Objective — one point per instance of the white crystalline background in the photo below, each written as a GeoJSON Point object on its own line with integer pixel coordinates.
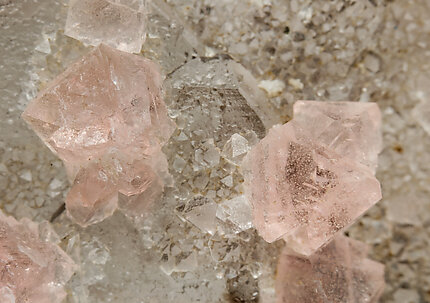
{"type": "Point", "coordinates": [374, 50]}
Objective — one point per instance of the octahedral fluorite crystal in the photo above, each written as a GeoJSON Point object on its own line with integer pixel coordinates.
{"type": "Point", "coordinates": [117, 23]}
{"type": "Point", "coordinates": [337, 273]}
{"type": "Point", "coordinates": [33, 268]}
{"type": "Point", "coordinates": [352, 129]}
{"type": "Point", "coordinates": [302, 189]}
{"type": "Point", "coordinates": [105, 118]}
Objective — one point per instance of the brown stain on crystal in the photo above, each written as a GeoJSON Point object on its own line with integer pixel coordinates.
{"type": "Point", "coordinates": [308, 182]}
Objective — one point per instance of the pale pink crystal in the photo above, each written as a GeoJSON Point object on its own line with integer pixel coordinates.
{"type": "Point", "coordinates": [302, 191]}
{"type": "Point", "coordinates": [337, 273]}
{"type": "Point", "coordinates": [351, 129]}
{"type": "Point", "coordinates": [33, 269]}
{"type": "Point", "coordinates": [105, 118]}
{"type": "Point", "coordinates": [117, 23]}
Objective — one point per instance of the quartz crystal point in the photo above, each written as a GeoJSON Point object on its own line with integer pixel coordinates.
{"type": "Point", "coordinates": [303, 191]}
{"type": "Point", "coordinates": [34, 269]}
{"type": "Point", "coordinates": [104, 117]}
{"type": "Point", "coordinates": [336, 273]}
{"type": "Point", "coordinates": [351, 129]}
{"type": "Point", "coordinates": [117, 23]}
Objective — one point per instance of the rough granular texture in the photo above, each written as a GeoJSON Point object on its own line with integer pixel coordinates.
{"type": "Point", "coordinates": [338, 273]}
{"type": "Point", "coordinates": [33, 266]}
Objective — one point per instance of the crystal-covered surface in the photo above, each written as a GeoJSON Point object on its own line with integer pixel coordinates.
{"type": "Point", "coordinates": [33, 267]}
{"type": "Point", "coordinates": [303, 191]}
{"type": "Point", "coordinates": [337, 50]}
{"type": "Point", "coordinates": [117, 23]}
{"type": "Point", "coordinates": [338, 273]}
{"type": "Point", "coordinates": [104, 117]}
{"type": "Point", "coordinates": [352, 129]}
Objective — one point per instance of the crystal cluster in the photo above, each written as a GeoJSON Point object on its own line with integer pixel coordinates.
{"type": "Point", "coordinates": [304, 180]}
{"type": "Point", "coordinates": [216, 126]}
{"type": "Point", "coordinates": [337, 273]}
{"type": "Point", "coordinates": [33, 268]}
{"type": "Point", "coordinates": [104, 117]}
{"type": "Point", "coordinates": [117, 23]}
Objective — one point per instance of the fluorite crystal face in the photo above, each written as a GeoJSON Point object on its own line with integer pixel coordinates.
{"type": "Point", "coordinates": [105, 119]}
{"type": "Point", "coordinates": [34, 269]}
{"type": "Point", "coordinates": [302, 191]}
{"type": "Point", "coordinates": [337, 273]}
{"type": "Point", "coordinates": [351, 129]}
{"type": "Point", "coordinates": [117, 23]}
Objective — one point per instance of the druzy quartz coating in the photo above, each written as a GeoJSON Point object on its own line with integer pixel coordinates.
{"type": "Point", "coordinates": [33, 267]}
{"type": "Point", "coordinates": [303, 187]}
{"type": "Point", "coordinates": [105, 118]}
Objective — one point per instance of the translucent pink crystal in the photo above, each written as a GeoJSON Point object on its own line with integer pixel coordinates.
{"type": "Point", "coordinates": [117, 23]}
{"type": "Point", "coordinates": [33, 269]}
{"type": "Point", "coordinates": [105, 118]}
{"type": "Point", "coordinates": [351, 129]}
{"type": "Point", "coordinates": [337, 273]}
{"type": "Point", "coordinates": [303, 191]}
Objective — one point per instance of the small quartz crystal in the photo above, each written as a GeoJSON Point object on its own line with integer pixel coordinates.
{"type": "Point", "coordinates": [303, 190]}
{"type": "Point", "coordinates": [237, 211]}
{"type": "Point", "coordinates": [117, 23]}
{"type": "Point", "coordinates": [336, 273]}
{"type": "Point", "coordinates": [201, 212]}
{"type": "Point", "coordinates": [104, 117]}
{"type": "Point", "coordinates": [34, 268]}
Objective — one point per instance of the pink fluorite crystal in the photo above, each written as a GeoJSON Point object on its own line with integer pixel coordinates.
{"type": "Point", "coordinates": [337, 273]}
{"type": "Point", "coordinates": [302, 190]}
{"type": "Point", "coordinates": [117, 23]}
{"type": "Point", "coordinates": [105, 118]}
{"type": "Point", "coordinates": [33, 269]}
{"type": "Point", "coordinates": [351, 129]}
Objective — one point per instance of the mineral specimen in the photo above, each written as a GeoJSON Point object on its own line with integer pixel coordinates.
{"type": "Point", "coordinates": [351, 129]}
{"type": "Point", "coordinates": [117, 23]}
{"type": "Point", "coordinates": [104, 117]}
{"type": "Point", "coordinates": [303, 191]}
{"type": "Point", "coordinates": [33, 268]}
{"type": "Point", "coordinates": [337, 273]}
